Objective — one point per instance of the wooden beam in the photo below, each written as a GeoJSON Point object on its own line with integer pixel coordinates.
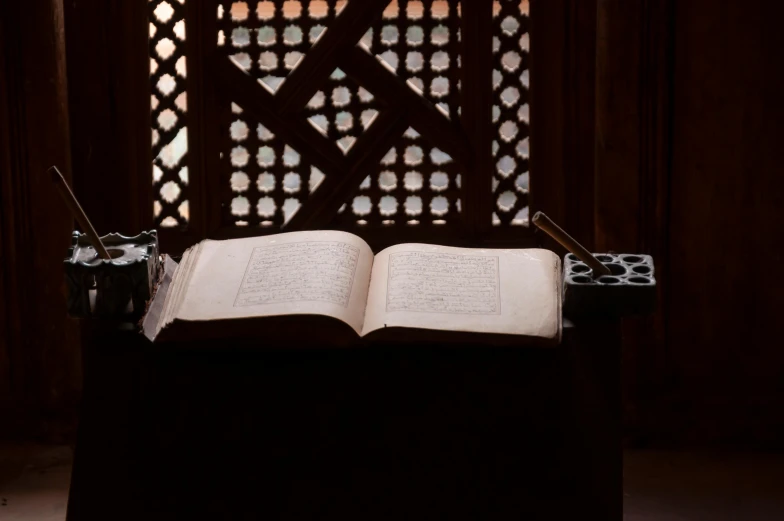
{"type": "Point", "coordinates": [196, 83]}
{"type": "Point", "coordinates": [422, 115]}
{"type": "Point", "coordinates": [548, 92]}
{"type": "Point", "coordinates": [634, 75]}
{"type": "Point", "coordinates": [40, 360]}
{"type": "Point", "coordinates": [476, 113]}
{"type": "Point", "coordinates": [205, 106]}
{"type": "Point", "coordinates": [579, 126]}
{"type": "Point", "coordinates": [248, 94]}
{"type": "Point", "coordinates": [323, 57]}
{"type": "Point", "coordinates": [364, 157]}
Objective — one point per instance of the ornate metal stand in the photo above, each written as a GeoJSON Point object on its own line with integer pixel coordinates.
{"type": "Point", "coordinates": [116, 288]}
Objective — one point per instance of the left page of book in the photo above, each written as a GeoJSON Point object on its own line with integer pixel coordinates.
{"type": "Point", "coordinates": [316, 272]}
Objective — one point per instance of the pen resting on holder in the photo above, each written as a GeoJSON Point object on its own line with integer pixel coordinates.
{"type": "Point", "coordinates": [605, 284]}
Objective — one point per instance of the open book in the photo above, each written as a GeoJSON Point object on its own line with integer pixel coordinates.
{"type": "Point", "coordinates": [234, 288]}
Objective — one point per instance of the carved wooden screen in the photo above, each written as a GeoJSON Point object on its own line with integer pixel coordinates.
{"type": "Point", "coordinates": [396, 120]}
{"type": "Point", "coordinates": [169, 105]}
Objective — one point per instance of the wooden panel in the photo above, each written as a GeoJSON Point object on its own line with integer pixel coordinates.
{"type": "Point", "coordinates": [109, 103]}
{"type": "Point", "coordinates": [548, 51]}
{"type": "Point", "coordinates": [204, 96]}
{"type": "Point", "coordinates": [619, 67]}
{"type": "Point", "coordinates": [633, 112]}
{"type": "Point", "coordinates": [9, 319]}
{"type": "Point", "coordinates": [417, 87]}
{"type": "Point", "coordinates": [580, 126]}
{"type": "Point", "coordinates": [319, 63]}
{"type": "Point", "coordinates": [507, 34]}
{"type": "Point", "coordinates": [633, 71]}
{"type": "Point", "coordinates": [423, 116]}
{"type": "Point", "coordinates": [40, 345]}
{"type": "Point", "coordinates": [726, 207]}
{"type": "Point", "coordinates": [562, 124]}
{"type": "Point", "coordinates": [370, 433]}
{"type": "Point", "coordinates": [476, 113]}
{"type": "Point", "coordinates": [688, 118]}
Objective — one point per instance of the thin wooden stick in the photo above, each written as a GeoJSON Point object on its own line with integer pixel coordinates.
{"type": "Point", "coordinates": [568, 242]}
{"type": "Point", "coordinates": [77, 212]}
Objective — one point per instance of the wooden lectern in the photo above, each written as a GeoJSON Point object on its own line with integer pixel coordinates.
{"type": "Point", "coordinates": [389, 432]}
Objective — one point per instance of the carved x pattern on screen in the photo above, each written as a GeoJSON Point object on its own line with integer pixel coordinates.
{"type": "Point", "coordinates": [367, 102]}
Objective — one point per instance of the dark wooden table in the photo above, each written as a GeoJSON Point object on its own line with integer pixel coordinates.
{"type": "Point", "coordinates": [384, 432]}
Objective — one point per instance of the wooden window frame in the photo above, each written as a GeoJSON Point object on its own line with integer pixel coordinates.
{"type": "Point", "coordinates": [109, 92]}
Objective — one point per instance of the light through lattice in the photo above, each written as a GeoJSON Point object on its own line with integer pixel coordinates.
{"type": "Point", "coordinates": [510, 112]}
{"type": "Point", "coordinates": [269, 179]}
{"type": "Point", "coordinates": [414, 184]}
{"type": "Point", "coordinates": [420, 41]}
{"type": "Point", "coordinates": [169, 108]}
{"type": "Point", "coordinates": [268, 39]}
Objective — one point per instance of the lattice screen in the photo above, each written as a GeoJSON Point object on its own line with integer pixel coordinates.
{"type": "Point", "coordinates": [270, 40]}
{"type": "Point", "coordinates": [414, 183]}
{"type": "Point", "coordinates": [270, 180]}
{"type": "Point", "coordinates": [169, 105]}
{"type": "Point", "coordinates": [510, 112]}
{"type": "Point", "coordinates": [342, 110]}
{"type": "Point", "coordinates": [266, 179]}
{"type": "Point", "coordinates": [420, 42]}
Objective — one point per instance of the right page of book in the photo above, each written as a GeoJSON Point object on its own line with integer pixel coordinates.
{"type": "Point", "coordinates": [516, 292]}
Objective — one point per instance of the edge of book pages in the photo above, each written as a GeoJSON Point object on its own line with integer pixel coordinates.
{"type": "Point", "coordinates": [152, 317]}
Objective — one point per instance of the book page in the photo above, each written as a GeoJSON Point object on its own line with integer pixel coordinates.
{"type": "Point", "coordinates": [458, 289]}
{"type": "Point", "coordinates": [319, 272]}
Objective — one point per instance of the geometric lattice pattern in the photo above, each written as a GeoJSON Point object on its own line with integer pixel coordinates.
{"type": "Point", "coordinates": [169, 108]}
{"type": "Point", "coordinates": [510, 112]}
{"type": "Point", "coordinates": [420, 42]}
{"type": "Point", "coordinates": [270, 180]}
{"type": "Point", "coordinates": [342, 110]}
{"type": "Point", "coordinates": [414, 184]}
{"type": "Point", "coordinates": [268, 39]}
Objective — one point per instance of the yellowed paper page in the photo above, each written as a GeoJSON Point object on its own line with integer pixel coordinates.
{"type": "Point", "coordinates": [319, 272]}
{"type": "Point", "coordinates": [458, 289]}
